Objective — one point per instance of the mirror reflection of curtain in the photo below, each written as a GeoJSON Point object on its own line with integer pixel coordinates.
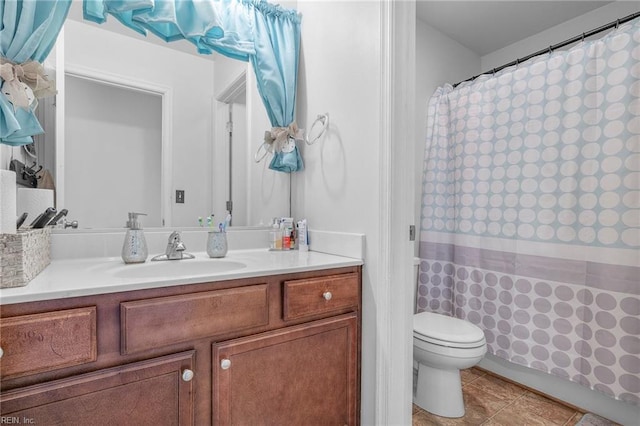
{"type": "Point", "coordinates": [249, 30]}
{"type": "Point", "coordinates": [29, 31]}
{"type": "Point", "coordinates": [264, 34]}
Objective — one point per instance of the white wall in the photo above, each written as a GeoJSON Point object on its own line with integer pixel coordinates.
{"type": "Point", "coordinates": [338, 191]}
{"type": "Point", "coordinates": [191, 78]}
{"type": "Point", "coordinates": [358, 64]}
{"type": "Point", "coordinates": [439, 60]}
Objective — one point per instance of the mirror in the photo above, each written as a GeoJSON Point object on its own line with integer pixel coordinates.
{"type": "Point", "coordinates": [144, 119]}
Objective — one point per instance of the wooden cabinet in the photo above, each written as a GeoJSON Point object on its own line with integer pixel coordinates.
{"type": "Point", "coordinates": [151, 392]}
{"type": "Point", "coordinates": [282, 349]}
{"type": "Point", "coordinates": [300, 375]}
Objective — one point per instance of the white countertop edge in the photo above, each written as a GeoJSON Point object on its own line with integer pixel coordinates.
{"type": "Point", "coordinates": [69, 278]}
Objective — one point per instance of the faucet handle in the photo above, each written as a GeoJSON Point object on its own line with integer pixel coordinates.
{"type": "Point", "coordinates": [70, 224]}
{"type": "Point", "coordinates": [176, 239]}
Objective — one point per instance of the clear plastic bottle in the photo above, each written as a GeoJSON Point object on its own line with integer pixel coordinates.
{"type": "Point", "coordinates": [275, 236]}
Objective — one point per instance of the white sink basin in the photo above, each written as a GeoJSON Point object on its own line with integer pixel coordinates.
{"type": "Point", "coordinates": [177, 268]}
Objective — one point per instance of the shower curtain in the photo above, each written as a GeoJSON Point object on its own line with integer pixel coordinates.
{"type": "Point", "coordinates": [530, 224]}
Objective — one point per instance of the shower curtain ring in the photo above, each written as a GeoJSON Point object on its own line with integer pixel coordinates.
{"type": "Point", "coordinates": [617, 23]}
{"type": "Point", "coordinates": [583, 37]}
{"type": "Point", "coordinates": [550, 50]}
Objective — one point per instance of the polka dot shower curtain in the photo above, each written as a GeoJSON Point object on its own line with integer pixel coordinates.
{"type": "Point", "coordinates": [530, 222]}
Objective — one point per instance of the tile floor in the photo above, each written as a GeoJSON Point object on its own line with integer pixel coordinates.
{"type": "Point", "coordinates": [490, 401]}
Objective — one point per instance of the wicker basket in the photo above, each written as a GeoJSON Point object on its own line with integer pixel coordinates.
{"type": "Point", "coordinates": [23, 256]}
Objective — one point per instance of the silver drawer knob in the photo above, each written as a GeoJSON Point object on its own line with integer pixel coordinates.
{"type": "Point", "coordinates": [1, 352]}
{"type": "Point", "coordinates": [187, 375]}
{"type": "Point", "coordinates": [327, 295]}
{"type": "Point", "coordinates": [225, 364]}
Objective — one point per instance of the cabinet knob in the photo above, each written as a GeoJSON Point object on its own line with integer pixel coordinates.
{"type": "Point", "coordinates": [225, 364]}
{"type": "Point", "coordinates": [1, 352]}
{"type": "Point", "coordinates": [187, 375]}
{"type": "Point", "coordinates": [327, 295]}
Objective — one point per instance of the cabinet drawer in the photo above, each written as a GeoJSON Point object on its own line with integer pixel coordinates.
{"type": "Point", "coordinates": [47, 341]}
{"type": "Point", "coordinates": [151, 323]}
{"type": "Point", "coordinates": [303, 298]}
{"type": "Point", "coordinates": [150, 392]}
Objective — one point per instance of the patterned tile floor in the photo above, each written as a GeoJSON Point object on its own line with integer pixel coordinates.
{"type": "Point", "coordinates": [490, 401]}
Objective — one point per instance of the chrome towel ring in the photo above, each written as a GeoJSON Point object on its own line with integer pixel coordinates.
{"type": "Point", "coordinates": [324, 120]}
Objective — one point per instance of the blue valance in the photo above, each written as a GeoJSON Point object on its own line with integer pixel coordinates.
{"type": "Point", "coordinates": [218, 25]}
{"type": "Point", "coordinates": [265, 34]}
{"type": "Point", "coordinates": [28, 32]}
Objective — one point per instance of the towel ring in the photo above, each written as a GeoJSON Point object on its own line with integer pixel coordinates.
{"type": "Point", "coordinates": [263, 146]}
{"type": "Point", "coordinates": [322, 118]}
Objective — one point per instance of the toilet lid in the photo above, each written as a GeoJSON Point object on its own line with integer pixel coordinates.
{"type": "Point", "coordinates": [445, 330]}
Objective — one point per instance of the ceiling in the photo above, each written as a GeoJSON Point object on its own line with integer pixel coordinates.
{"type": "Point", "coordinates": [502, 22]}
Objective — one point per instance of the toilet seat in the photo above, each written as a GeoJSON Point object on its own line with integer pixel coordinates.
{"type": "Point", "coordinates": [447, 331]}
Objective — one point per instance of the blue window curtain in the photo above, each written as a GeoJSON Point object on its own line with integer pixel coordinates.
{"type": "Point", "coordinates": [265, 34]}
{"type": "Point", "coordinates": [28, 32]}
{"type": "Point", "coordinates": [275, 63]}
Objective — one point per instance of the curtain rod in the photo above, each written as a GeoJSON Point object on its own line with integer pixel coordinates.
{"type": "Point", "coordinates": [581, 37]}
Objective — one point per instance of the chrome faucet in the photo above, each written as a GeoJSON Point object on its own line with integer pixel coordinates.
{"type": "Point", "coordinates": [175, 249]}
{"type": "Point", "coordinates": [175, 246]}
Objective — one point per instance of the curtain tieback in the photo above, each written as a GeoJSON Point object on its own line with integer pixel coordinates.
{"type": "Point", "coordinates": [31, 74]}
{"type": "Point", "coordinates": [276, 138]}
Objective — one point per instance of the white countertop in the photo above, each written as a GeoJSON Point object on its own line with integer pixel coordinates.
{"type": "Point", "coordinates": [91, 276]}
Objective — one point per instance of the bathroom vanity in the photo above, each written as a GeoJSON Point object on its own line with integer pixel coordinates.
{"type": "Point", "coordinates": [263, 344]}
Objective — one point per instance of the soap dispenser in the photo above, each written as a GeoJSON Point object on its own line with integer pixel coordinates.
{"type": "Point", "coordinates": [134, 249]}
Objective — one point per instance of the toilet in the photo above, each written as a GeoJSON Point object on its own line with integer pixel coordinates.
{"type": "Point", "coordinates": [442, 346]}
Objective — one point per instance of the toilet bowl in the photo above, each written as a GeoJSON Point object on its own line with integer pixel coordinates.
{"type": "Point", "coordinates": [442, 346]}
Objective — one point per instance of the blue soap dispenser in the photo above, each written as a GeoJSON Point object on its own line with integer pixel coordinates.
{"type": "Point", "coordinates": [134, 249]}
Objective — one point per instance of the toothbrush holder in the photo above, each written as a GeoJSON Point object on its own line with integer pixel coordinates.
{"type": "Point", "coordinates": [217, 244]}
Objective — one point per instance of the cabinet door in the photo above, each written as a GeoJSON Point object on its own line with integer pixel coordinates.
{"type": "Point", "coordinates": [300, 375]}
{"type": "Point", "coordinates": [152, 392]}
